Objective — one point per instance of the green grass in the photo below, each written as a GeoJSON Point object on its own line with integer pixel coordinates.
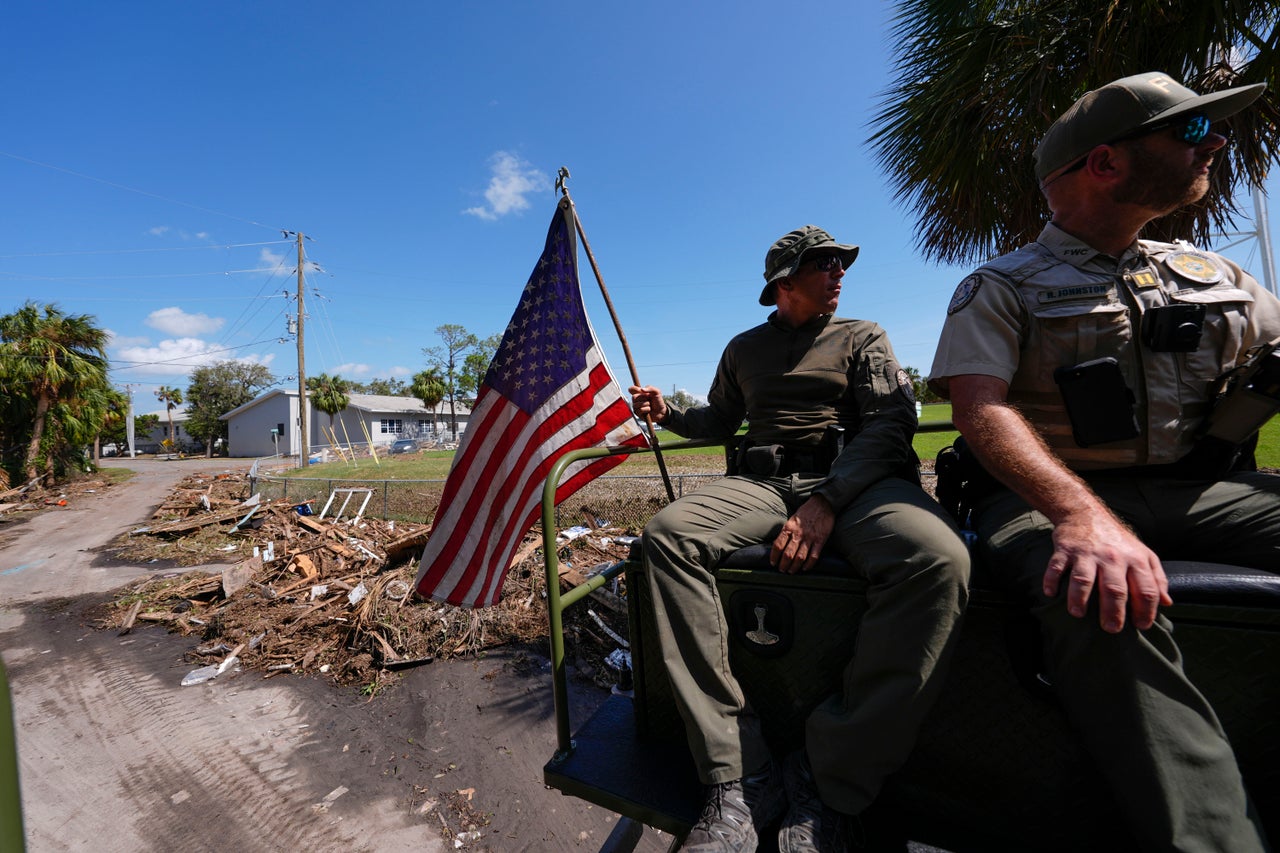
{"type": "Point", "coordinates": [434, 464]}
{"type": "Point", "coordinates": [423, 465]}
{"type": "Point", "coordinates": [1268, 452]}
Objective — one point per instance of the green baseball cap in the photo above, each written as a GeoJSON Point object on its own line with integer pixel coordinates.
{"type": "Point", "coordinates": [1127, 105]}
{"type": "Point", "coordinates": [787, 254]}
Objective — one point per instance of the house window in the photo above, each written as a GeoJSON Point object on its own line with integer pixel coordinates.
{"type": "Point", "coordinates": [392, 426]}
{"type": "Point", "coordinates": [424, 426]}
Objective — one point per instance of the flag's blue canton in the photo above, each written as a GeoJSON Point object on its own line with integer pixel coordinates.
{"type": "Point", "coordinates": [546, 342]}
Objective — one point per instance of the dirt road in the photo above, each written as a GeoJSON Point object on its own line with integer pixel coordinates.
{"type": "Point", "coordinates": [115, 755]}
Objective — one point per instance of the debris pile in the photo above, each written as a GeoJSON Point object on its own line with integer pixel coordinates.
{"type": "Point", "coordinates": [34, 496]}
{"type": "Point", "coordinates": [326, 590]}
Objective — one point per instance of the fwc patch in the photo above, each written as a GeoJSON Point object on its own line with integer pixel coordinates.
{"type": "Point", "coordinates": [965, 292]}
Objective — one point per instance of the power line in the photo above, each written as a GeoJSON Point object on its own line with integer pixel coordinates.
{"type": "Point", "coordinates": [141, 251]}
{"type": "Point", "coordinates": [130, 277]}
{"type": "Point", "coordinates": [134, 190]}
{"type": "Point", "coordinates": [131, 365]}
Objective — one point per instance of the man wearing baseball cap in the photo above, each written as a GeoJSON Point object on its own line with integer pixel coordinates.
{"type": "Point", "coordinates": [1080, 370]}
{"type": "Point", "coordinates": [826, 466]}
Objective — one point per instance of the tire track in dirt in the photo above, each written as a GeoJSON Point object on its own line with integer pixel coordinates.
{"type": "Point", "coordinates": [232, 764]}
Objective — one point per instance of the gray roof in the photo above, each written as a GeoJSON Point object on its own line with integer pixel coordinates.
{"type": "Point", "coordinates": [370, 403]}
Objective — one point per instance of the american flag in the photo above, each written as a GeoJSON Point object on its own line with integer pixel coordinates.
{"type": "Point", "coordinates": [548, 390]}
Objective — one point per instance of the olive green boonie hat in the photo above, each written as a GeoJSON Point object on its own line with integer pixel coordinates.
{"type": "Point", "coordinates": [1127, 105]}
{"type": "Point", "coordinates": [789, 252]}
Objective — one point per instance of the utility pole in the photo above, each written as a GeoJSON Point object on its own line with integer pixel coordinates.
{"type": "Point", "coordinates": [304, 448]}
{"type": "Point", "coordinates": [1263, 223]}
{"type": "Point", "coordinates": [1262, 233]}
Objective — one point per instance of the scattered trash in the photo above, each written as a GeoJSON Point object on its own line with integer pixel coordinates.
{"type": "Point", "coordinates": [569, 534]}
{"type": "Point", "coordinates": [200, 676]}
{"type": "Point", "coordinates": [613, 635]}
{"type": "Point", "coordinates": [618, 659]}
{"type": "Point", "coordinates": [356, 595]}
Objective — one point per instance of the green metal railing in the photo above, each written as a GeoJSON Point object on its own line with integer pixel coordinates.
{"type": "Point", "coordinates": [11, 835]}
{"type": "Point", "coordinates": [556, 603]}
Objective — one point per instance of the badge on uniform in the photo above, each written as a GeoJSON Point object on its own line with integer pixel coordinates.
{"type": "Point", "coordinates": [1194, 266]}
{"type": "Point", "coordinates": [965, 292]}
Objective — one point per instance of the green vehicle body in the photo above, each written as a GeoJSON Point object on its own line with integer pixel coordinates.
{"type": "Point", "coordinates": [997, 766]}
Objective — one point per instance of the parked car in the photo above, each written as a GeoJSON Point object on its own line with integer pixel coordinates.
{"type": "Point", "coordinates": [404, 445]}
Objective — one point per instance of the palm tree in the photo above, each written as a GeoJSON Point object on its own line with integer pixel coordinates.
{"type": "Point", "coordinates": [329, 395]}
{"type": "Point", "coordinates": [430, 389]}
{"type": "Point", "coordinates": [172, 398]}
{"type": "Point", "coordinates": [49, 359]}
{"type": "Point", "coordinates": [979, 81]}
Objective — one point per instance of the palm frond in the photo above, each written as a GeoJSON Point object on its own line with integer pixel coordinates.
{"type": "Point", "coordinates": [978, 83]}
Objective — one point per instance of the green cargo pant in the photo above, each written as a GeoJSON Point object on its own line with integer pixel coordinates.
{"type": "Point", "coordinates": [1153, 736]}
{"type": "Point", "coordinates": [916, 568]}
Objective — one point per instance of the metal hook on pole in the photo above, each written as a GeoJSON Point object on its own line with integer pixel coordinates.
{"type": "Point", "coordinates": [561, 177]}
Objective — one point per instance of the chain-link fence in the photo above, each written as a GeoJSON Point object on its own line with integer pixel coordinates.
{"type": "Point", "coordinates": [614, 501]}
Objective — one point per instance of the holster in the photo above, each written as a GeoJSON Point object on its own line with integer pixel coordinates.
{"type": "Point", "coordinates": [962, 482]}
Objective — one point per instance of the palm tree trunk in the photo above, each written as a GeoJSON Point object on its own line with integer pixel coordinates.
{"type": "Point", "coordinates": [37, 433]}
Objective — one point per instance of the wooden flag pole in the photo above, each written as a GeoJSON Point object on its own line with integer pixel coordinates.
{"type": "Point", "coordinates": [617, 324]}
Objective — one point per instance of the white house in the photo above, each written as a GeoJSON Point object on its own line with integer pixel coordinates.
{"type": "Point", "coordinates": [150, 442]}
{"type": "Point", "coordinates": [268, 424]}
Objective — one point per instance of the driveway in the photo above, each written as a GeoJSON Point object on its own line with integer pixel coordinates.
{"type": "Point", "coordinates": [115, 755]}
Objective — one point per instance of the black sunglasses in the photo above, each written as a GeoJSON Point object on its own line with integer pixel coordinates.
{"type": "Point", "coordinates": [1191, 129]}
{"type": "Point", "coordinates": [826, 263]}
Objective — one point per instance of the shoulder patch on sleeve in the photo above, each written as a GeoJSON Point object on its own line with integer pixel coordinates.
{"type": "Point", "coordinates": [904, 382]}
{"type": "Point", "coordinates": [965, 292]}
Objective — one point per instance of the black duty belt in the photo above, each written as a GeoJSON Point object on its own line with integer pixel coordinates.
{"type": "Point", "coordinates": [782, 460]}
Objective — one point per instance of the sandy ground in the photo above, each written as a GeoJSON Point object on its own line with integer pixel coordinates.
{"type": "Point", "coordinates": [115, 755]}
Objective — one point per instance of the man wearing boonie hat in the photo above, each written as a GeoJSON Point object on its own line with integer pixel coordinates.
{"type": "Point", "coordinates": [1079, 368]}
{"type": "Point", "coordinates": [826, 465]}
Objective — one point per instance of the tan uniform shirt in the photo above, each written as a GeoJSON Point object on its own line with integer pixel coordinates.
{"type": "Point", "coordinates": [1057, 302]}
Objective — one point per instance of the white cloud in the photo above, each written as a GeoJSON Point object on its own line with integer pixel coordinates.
{"type": "Point", "coordinates": [353, 369]}
{"type": "Point", "coordinates": [114, 340]}
{"type": "Point", "coordinates": [182, 235]}
{"type": "Point", "coordinates": [400, 371]}
{"type": "Point", "coordinates": [179, 356]}
{"type": "Point", "coordinates": [512, 180]}
{"type": "Point", "coordinates": [273, 262]}
{"type": "Point", "coordinates": [175, 321]}
{"type": "Point", "coordinates": [175, 357]}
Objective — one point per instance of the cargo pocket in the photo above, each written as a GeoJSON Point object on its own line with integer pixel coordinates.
{"type": "Point", "coordinates": [1225, 324]}
{"type": "Point", "coordinates": [1079, 332]}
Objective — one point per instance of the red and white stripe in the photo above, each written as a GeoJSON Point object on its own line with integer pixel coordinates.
{"type": "Point", "coordinates": [494, 489]}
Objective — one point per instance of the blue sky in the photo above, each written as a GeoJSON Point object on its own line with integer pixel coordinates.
{"type": "Point", "coordinates": [151, 155]}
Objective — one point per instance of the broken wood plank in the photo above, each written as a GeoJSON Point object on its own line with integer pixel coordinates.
{"type": "Point", "coordinates": [396, 548]}
{"type": "Point", "coordinates": [235, 578]}
{"type": "Point", "coordinates": [184, 525]}
{"type": "Point", "coordinates": [127, 625]}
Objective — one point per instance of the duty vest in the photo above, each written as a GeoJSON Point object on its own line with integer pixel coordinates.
{"type": "Point", "coordinates": [1074, 315]}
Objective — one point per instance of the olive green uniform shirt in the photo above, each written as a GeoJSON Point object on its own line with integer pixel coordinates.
{"type": "Point", "coordinates": [790, 384]}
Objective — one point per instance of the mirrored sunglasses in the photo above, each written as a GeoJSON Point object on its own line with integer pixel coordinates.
{"type": "Point", "coordinates": [1191, 129]}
